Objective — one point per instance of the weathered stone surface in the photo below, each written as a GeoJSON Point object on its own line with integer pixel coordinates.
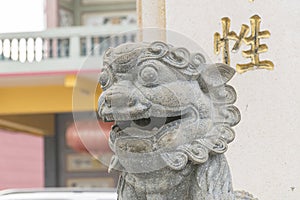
{"type": "Point", "coordinates": [173, 115]}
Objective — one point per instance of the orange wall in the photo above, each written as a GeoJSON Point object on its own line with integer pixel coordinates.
{"type": "Point", "coordinates": [21, 160]}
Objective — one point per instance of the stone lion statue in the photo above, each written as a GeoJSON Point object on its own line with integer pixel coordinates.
{"type": "Point", "coordinates": [173, 115]}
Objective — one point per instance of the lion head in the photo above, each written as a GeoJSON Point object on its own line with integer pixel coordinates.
{"type": "Point", "coordinates": [169, 106]}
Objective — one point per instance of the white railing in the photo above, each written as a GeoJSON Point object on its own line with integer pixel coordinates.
{"type": "Point", "coordinates": [59, 43]}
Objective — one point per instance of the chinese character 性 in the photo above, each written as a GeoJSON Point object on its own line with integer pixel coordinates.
{"type": "Point", "coordinates": [253, 40]}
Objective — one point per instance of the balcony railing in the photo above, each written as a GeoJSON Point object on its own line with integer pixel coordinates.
{"type": "Point", "coordinates": [53, 48]}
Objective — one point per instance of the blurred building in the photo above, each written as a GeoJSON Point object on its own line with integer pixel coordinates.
{"type": "Point", "coordinates": [37, 78]}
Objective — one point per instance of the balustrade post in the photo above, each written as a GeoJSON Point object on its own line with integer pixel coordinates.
{"type": "Point", "coordinates": [74, 46]}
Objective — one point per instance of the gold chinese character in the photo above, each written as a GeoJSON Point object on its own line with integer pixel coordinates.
{"type": "Point", "coordinates": [256, 48]}
{"type": "Point", "coordinates": [227, 36]}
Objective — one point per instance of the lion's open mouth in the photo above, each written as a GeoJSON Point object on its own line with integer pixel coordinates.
{"type": "Point", "coordinates": [148, 127]}
{"type": "Point", "coordinates": [151, 123]}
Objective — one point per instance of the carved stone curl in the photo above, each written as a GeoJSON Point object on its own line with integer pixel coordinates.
{"type": "Point", "coordinates": [173, 115]}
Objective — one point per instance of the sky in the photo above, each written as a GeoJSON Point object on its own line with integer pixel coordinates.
{"type": "Point", "coordinates": [21, 15]}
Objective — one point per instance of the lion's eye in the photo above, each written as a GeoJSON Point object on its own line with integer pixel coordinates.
{"type": "Point", "coordinates": [149, 74]}
{"type": "Point", "coordinates": [104, 79]}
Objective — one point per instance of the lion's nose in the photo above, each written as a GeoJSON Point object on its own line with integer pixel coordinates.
{"type": "Point", "coordinates": [115, 99]}
{"type": "Point", "coordinates": [120, 99]}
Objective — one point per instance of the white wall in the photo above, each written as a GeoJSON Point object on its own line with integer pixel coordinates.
{"type": "Point", "coordinates": [264, 158]}
{"type": "Point", "coordinates": [21, 16]}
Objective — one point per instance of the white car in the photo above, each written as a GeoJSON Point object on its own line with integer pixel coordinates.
{"type": "Point", "coordinates": [58, 194]}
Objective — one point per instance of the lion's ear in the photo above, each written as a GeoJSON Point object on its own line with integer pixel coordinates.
{"type": "Point", "coordinates": [226, 71]}
{"type": "Point", "coordinates": [215, 75]}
